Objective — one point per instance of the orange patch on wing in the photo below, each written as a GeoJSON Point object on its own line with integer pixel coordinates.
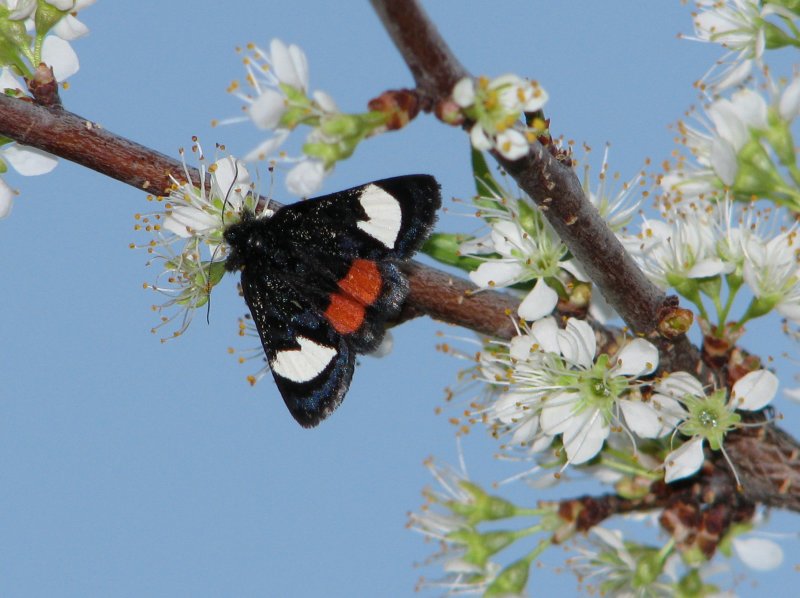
{"type": "Point", "coordinates": [362, 282]}
{"type": "Point", "coordinates": [344, 313]}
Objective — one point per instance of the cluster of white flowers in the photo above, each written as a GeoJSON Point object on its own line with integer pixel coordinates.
{"type": "Point", "coordinates": [188, 236]}
{"type": "Point", "coordinates": [745, 143]}
{"type": "Point", "coordinates": [495, 107]}
{"type": "Point", "coordinates": [706, 418]}
{"type": "Point", "coordinates": [36, 32]}
{"type": "Point", "coordinates": [279, 102]}
{"type": "Point", "coordinates": [550, 393]}
{"type": "Point", "coordinates": [745, 29]}
{"type": "Point", "coordinates": [555, 384]}
{"type": "Point", "coordinates": [522, 246]}
{"type": "Point", "coordinates": [702, 245]}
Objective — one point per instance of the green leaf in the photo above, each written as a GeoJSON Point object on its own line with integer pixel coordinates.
{"type": "Point", "coordinates": [485, 183]}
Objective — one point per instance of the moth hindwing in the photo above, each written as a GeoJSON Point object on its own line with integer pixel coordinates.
{"type": "Point", "coordinates": [321, 278]}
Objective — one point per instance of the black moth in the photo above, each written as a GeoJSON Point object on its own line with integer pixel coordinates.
{"type": "Point", "coordinates": [321, 278]}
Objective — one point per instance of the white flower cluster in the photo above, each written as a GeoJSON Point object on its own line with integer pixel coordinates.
{"type": "Point", "coordinates": [554, 384]}
{"type": "Point", "coordinates": [279, 102]}
{"type": "Point", "coordinates": [495, 107]}
{"type": "Point", "coordinates": [738, 244]}
{"type": "Point", "coordinates": [737, 151]}
{"type": "Point", "coordinates": [742, 28]}
{"type": "Point", "coordinates": [188, 236]}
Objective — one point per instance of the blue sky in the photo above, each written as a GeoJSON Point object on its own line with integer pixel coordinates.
{"type": "Point", "coordinates": [129, 467]}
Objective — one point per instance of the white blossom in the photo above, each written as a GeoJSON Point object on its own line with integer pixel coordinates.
{"type": "Point", "coordinates": [495, 106]}
{"type": "Point", "coordinates": [556, 385]}
{"type": "Point", "coordinates": [706, 419]}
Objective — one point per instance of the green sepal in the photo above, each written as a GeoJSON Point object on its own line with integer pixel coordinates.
{"type": "Point", "coordinates": [775, 37]}
{"type": "Point", "coordinates": [14, 44]}
{"type": "Point", "coordinates": [757, 174]}
{"type": "Point", "coordinates": [46, 17]}
{"type": "Point", "coordinates": [216, 270]}
{"type": "Point", "coordinates": [444, 248]}
{"type": "Point", "coordinates": [691, 585]}
{"type": "Point", "coordinates": [780, 138]}
{"type": "Point", "coordinates": [483, 507]}
{"type": "Point", "coordinates": [511, 580]}
{"type": "Point", "coordinates": [479, 547]}
{"type": "Point", "coordinates": [760, 306]}
{"type": "Point", "coordinates": [710, 286]}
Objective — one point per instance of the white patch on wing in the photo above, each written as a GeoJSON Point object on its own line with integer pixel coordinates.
{"type": "Point", "coordinates": [384, 213]}
{"type": "Point", "coordinates": [303, 364]}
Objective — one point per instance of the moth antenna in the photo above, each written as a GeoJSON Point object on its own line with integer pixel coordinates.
{"type": "Point", "coordinates": [225, 201]}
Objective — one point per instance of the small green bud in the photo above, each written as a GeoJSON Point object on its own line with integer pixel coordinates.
{"type": "Point", "coordinates": [445, 248]}
{"type": "Point", "coordinates": [483, 507]}
{"type": "Point", "coordinates": [342, 125]}
{"type": "Point", "coordinates": [326, 152]}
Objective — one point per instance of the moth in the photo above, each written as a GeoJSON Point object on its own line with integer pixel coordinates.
{"type": "Point", "coordinates": [322, 278]}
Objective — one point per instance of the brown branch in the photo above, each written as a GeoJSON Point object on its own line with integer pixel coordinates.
{"type": "Point", "coordinates": [552, 185]}
{"type": "Point", "coordinates": [74, 138]}
{"type": "Point", "coordinates": [435, 68]}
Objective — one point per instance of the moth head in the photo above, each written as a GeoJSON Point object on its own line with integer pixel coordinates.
{"type": "Point", "coordinates": [245, 240]}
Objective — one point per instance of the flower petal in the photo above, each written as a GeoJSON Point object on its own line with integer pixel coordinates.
{"type": "Point", "coordinates": [29, 161]}
{"type": "Point", "coordinates": [325, 101]}
{"type": "Point", "coordinates": [584, 439]}
{"type": "Point", "coordinates": [520, 346]}
{"type": "Point", "coordinates": [677, 384]}
{"type": "Point", "coordinates": [758, 553]}
{"type": "Point", "coordinates": [480, 141]}
{"type": "Point", "coordinates": [267, 109]}
{"type": "Point", "coordinates": [267, 147]}
{"type": "Point", "coordinates": [58, 54]}
{"type": "Point", "coordinates": [539, 303]}
{"type": "Point", "coordinates": [545, 331]}
{"type": "Point", "coordinates": [8, 80]}
{"type": "Point", "coordinates": [306, 178]}
{"type": "Point", "coordinates": [464, 92]}
{"type": "Point", "coordinates": [789, 106]}
{"type": "Point", "coordinates": [495, 273]}
{"type": "Point", "coordinates": [557, 413]}
{"type": "Point", "coordinates": [526, 431]}
{"type": "Point", "coordinates": [684, 461]}
{"type": "Point", "coordinates": [755, 390]}
{"type": "Point", "coordinates": [577, 342]}
{"type": "Point", "coordinates": [6, 199]}
{"type": "Point", "coordinates": [642, 419]}
{"type": "Point", "coordinates": [70, 28]}
{"type": "Point", "coordinates": [289, 63]}
{"type": "Point", "coordinates": [512, 144]}
{"type": "Point", "coordinates": [723, 161]}
{"type": "Point", "coordinates": [637, 358]}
